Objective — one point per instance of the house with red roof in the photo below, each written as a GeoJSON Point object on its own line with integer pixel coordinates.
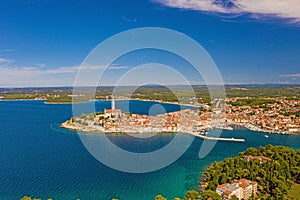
{"type": "Point", "coordinates": [242, 189]}
{"type": "Point", "coordinates": [261, 159]}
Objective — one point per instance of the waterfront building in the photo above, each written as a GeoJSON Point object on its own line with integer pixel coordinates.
{"type": "Point", "coordinates": [293, 128]}
{"type": "Point", "coordinates": [226, 191]}
{"type": "Point", "coordinates": [242, 189]}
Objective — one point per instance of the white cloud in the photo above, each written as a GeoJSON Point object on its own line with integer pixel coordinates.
{"type": "Point", "coordinates": [203, 5]}
{"type": "Point", "coordinates": [41, 65]}
{"type": "Point", "coordinates": [40, 76]}
{"type": "Point", "coordinates": [4, 60]}
{"type": "Point", "coordinates": [7, 50]}
{"type": "Point", "coordinates": [291, 75]}
{"type": "Point", "coordinates": [74, 69]}
{"type": "Point", "coordinates": [129, 19]}
{"type": "Point", "coordinates": [280, 8]}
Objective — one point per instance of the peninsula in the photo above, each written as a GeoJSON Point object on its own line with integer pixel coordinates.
{"type": "Point", "coordinates": [115, 121]}
{"type": "Point", "coordinates": [265, 115]}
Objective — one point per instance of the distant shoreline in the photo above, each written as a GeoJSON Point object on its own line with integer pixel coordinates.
{"type": "Point", "coordinates": [22, 99]}
{"type": "Point", "coordinates": [57, 103]}
{"type": "Point", "coordinates": [124, 99]}
{"type": "Point", "coordinates": [145, 100]}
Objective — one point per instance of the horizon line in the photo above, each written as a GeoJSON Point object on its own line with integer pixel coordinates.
{"type": "Point", "coordinates": [155, 85]}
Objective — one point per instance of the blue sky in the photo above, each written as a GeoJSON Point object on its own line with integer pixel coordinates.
{"type": "Point", "coordinates": [42, 42]}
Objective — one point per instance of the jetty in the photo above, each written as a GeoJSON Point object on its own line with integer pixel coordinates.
{"type": "Point", "coordinates": [216, 138]}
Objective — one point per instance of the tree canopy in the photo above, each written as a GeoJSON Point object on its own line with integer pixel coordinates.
{"type": "Point", "coordinates": [275, 176]}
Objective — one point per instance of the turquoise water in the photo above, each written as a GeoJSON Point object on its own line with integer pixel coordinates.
{"type": "Point", "coordinates": [40, 159]}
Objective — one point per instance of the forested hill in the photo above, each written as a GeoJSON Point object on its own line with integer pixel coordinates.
{"type": "Point", "coordinates": [275, 175]}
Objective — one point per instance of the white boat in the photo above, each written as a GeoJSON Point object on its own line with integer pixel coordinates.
{"type": "Point", "coordinates": [266, 136]}
{"type": "Point", "coordinates": [202, 132]}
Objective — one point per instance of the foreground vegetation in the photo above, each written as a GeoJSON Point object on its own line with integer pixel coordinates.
{"type": "Point", "coordinates": [190, 195]}
{"type": "Point", "coordinates": [275, 177]}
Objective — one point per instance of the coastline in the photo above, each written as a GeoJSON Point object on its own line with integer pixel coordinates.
{"type": "Point", "coordinates": [101, 130]}
{"type": "Point", "coordinates": [252, 127]}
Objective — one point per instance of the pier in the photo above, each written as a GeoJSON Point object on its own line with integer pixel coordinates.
{"type": "Point", "coordinates": [216, 138]}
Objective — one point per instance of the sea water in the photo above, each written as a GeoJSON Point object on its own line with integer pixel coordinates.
{"type": "Point", "coordinates": [40, 159]}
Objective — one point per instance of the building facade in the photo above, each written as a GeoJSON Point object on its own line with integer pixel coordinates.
{"type": "Point", "coordinates": [242, 189]}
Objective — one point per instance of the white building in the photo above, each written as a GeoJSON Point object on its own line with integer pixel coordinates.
{"type": "Point", "coordinates": [242, 189]}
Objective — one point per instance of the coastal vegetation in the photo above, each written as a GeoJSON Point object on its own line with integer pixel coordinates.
{"type": "Point", "coordinates": [20, 96]}
{"type": "Point", "coordinates": [190, 195]}
{"type": "Point", "coordinates": [276, 177]}
{"type": "Point", "coordinates": [30, 198]}
{"type": "Point", "coordinates": [63, 98]}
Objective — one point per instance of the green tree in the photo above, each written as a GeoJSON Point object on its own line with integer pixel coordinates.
{"type": "Point", "coordinates": [210, 194]}
{"type": "Point", "coordinates": [192, 195]}
{"type": "Point", "coordinates": [233, 197]}
{"type": "Point", "coordinates": [160, 197]}
{"type": "Point", "coordinates": [26, 198]}
{"type": "Point", "coordinates": [211, 186]}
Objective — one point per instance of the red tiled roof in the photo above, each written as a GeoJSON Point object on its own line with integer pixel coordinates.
{"type": "Point", "coordinates": [251, 157]}
{"type": "Point", "coordinates": [228, 192]}
{"type": "Point", "coordinates": [112, 111]}
{"type": "Point", "coordinates": [243, 180]}
{"type": "Point", "coordinates": [254, 183]}
{"type": "Point", "coordinates": [223, 185]}
{"type": "Point", "coordinates": [244, 185]}
{"type": "Point", "coordinates": [257, 157]}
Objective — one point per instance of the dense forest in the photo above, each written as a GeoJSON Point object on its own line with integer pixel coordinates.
{"type": "Point", "coordinates": [275, 177]}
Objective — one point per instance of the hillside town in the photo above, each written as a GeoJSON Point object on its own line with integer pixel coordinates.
{"type": "Point", "coordinates": [278, 117]}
